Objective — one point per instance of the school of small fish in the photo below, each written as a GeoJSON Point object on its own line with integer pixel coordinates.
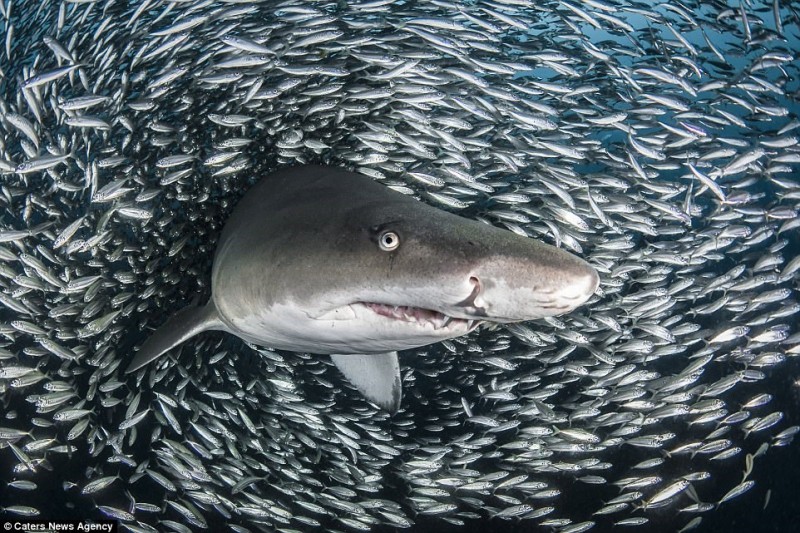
{"type": "Point", "coordinates": [658, 140]}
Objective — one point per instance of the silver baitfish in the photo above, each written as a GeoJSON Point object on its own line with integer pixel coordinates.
{"type": "Point", "coordinates": [658, 142]}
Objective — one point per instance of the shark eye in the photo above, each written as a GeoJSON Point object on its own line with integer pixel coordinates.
{"type": "Point", "coordinates": [388, 241]}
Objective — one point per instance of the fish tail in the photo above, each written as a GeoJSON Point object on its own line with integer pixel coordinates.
{"type": "Point", "coordinates": [185, 324]}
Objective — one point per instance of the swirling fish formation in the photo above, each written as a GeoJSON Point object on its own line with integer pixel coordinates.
{"type": "Point", "coordinates": [658, 141]}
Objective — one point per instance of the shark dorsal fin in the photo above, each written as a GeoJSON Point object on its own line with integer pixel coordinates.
{"type": "Point", "coordinates": [376, 376]}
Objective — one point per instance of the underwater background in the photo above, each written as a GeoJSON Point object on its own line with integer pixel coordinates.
{"type": "Point", "coordinates": [657, 140]}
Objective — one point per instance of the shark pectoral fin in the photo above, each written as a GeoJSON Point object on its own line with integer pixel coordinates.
{"type": "Point", "coordinates": [376, 376]}
{"type": "Point", "coordinates": [185, 324]}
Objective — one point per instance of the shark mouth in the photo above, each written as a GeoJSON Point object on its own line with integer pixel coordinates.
{"type": "Point", "coordinates": [421, 316]}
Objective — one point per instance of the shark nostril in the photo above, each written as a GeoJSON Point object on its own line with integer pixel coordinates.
{"type": "Point", "coordinates": [469, 301]}
{"type": "Point", "coordinates": [477, 288]}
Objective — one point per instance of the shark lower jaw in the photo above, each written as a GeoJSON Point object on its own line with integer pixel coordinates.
{"type": "Point", "coordinates": [426, 318]}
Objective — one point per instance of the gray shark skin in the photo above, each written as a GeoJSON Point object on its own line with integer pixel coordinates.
{"type": "Point", "coordinates": [322, 260]}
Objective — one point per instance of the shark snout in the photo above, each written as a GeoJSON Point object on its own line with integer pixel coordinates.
{"type": "Point", "coordinates": [517, 289]}
{"type": "Point", "coordinates": [581, 284]}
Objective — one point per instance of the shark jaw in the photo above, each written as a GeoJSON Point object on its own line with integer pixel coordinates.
{"type": "Point", "coordinates": [405, 318]}
{"type": "Point", "coordinates": [423, 317]}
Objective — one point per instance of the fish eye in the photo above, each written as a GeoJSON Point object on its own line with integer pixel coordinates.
{"type": "Point", "coordinates": [388, 241]}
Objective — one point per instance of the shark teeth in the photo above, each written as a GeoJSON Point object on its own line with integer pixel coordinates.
{"type": "Point", "coordinates": [417, 314]}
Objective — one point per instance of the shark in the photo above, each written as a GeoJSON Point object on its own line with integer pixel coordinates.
{"type": "Point", "coordinates": [322, 260]}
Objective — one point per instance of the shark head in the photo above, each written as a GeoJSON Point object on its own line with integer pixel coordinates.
{"type": "Point", "coordinates": [425, 275]}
